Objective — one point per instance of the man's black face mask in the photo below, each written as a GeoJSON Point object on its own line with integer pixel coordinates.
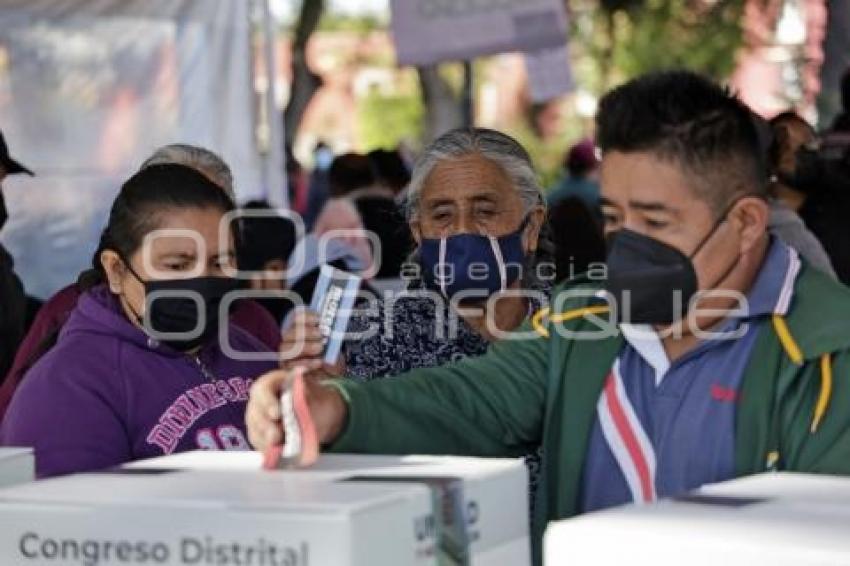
{"type": "Point", "coordinates": [653, 282]}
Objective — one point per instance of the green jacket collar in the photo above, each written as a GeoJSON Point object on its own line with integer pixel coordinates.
{"type": "Point", "coordinates": [819, 316]}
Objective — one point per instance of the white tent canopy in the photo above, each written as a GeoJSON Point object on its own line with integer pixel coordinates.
{"type": "Point", "coordinates": [89, 88]}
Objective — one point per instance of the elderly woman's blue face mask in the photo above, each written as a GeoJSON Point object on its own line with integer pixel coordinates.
{"type": "Point", "coordinates": [471, 221]}
{"type": "Point", "coordinates": [473, 266]}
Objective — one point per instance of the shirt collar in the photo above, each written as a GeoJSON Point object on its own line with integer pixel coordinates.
{"type": "Point", "coordinates": [771, 293]}
{"type": "Point", "coordinates": [646, 342]}
{"type": "Point", "coordinates": [773, 288]}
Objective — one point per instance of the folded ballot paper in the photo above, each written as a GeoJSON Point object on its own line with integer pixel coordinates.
{"type": "Point", "coordinates": [333, 299]}
{"type": "Point", "coordinates": [301, 444]}
{"type": "Point", "coordinates": [479, 507]}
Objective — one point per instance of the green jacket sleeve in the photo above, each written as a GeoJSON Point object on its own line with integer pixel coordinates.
{"type": "Point", "coordinates": [491, 405]}
{"type": "Point", "coordinates": [826, 449]}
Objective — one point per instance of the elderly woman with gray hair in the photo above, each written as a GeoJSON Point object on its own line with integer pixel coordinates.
{"type": "Point", "coordinates": [476, 212]}
{"type": "Point", "coordinates": [480, 268]}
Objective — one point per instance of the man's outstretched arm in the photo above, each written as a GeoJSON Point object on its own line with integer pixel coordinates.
{"type": "Point", "coordinates": [491, 405]}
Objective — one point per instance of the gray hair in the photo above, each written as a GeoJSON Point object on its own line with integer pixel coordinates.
{"type": "Point", "coordinates": [514, 160]}
{"type": "Point", "coordinates": [201, 159]}
{"type": "Point", "coordinates": [495, 146]}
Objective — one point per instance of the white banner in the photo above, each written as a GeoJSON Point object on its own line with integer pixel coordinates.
{"type": "Point", "coordinates": [430, 31]}
{"type": "Point", "coordinates": [550, 73]}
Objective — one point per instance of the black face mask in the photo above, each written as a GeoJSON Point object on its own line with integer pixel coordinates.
{"type": "Point", "coordinates": [176, 311]}
{"type": "Point", "coordinates": [660, 279]}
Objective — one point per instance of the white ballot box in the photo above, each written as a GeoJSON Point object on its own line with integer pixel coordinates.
{"type": "Point", "coordinates": [214, 518]}
{"type": "Point", "coordinates": [480, 504]}
{"type": "Point", "coordinates": [17, 465]}
{"type": "Point", "coordinates": [777, 519]}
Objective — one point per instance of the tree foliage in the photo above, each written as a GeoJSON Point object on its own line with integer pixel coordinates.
{"type": "Point", "coordinates": [387, 120]}
{"type": "Point", "coordinates": [626, 38]}
{"type": "Point", "coordinates": [680, 33]}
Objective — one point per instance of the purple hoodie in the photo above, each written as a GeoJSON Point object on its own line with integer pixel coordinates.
{"type": "Point", "coordinates": [107, 394]}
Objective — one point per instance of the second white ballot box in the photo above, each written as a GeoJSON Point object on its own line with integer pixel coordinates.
{"type": "Point", "coordinates": [480, 504]}
{"type": "Point", "coordinates": [777, 518]}
{"type": "Point", "coordinates": [17, 465]}
{"type": "Point", "coordinates": [214, 518]}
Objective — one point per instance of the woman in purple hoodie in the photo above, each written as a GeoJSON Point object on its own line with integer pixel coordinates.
{"type": "Point", "coordinates": [143, 368]}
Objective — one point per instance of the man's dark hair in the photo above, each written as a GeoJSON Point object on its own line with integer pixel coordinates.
{"type": "Point", "coordinates": [779, 125]}
{"type": "Point", "coordinates": [389, 168]}
{"type": "Point", "coordinates": [692, 122]}
{"type": "Point", "coordinates": [790, 116]}
{"type": "Point", "coordinates": [265, 238]}
{"type": "Point", "coordinates": [349, 172]}
{"type": "Point", "coordinates": [577, 168]}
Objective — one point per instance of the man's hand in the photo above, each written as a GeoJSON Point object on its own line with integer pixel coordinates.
{"type": "Point", "coordinates": [302, 346]}
{"type": "Point", "coordinates": [263, 418]}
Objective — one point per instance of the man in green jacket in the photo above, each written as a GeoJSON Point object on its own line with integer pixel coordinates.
{"type": "Point", "coordinates": [709, 350]}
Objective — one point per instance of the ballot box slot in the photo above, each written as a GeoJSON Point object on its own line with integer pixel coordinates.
{"type": "Point", "coordinates": [719, 500]}
{"type": "Point", "coordinates": [134, 471]}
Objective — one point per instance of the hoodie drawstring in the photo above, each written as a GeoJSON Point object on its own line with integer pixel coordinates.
{"type": "Point", "coordinates": [788, 344]}
{"type": "Point", "coordinates": [540, 328]}
{"type": "Point", "coordinates": [825, 391]}
{"type": "Point", "coordinates": [795, 354]}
